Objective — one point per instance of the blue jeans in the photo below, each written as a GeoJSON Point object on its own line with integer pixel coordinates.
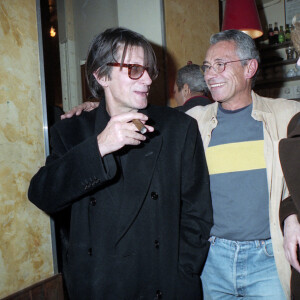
{"type": "Point", "coordinates": [241, 269]}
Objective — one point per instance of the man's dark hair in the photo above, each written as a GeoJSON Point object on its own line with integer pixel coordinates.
{"type": "Point", "coordinates": [104, 49]}
{"type": "Point", "coordinates": [192, 76]}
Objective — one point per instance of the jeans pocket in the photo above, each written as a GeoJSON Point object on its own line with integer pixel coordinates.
{"type": "Point", "coordinates": [268, 249]}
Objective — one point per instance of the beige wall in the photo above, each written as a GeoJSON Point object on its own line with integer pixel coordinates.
{"type": "Point", "coordinates": [25, 243]}
{"type": "Point", "coordinates": [188, 25]}
{"type": "Point", "coordinates": [148, 21]}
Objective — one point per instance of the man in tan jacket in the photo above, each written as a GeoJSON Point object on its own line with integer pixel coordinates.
{"type": "Point", "coordinates": [240, 133]}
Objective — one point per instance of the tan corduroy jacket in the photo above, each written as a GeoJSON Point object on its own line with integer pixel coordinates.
{"type": "Point", "coordinates": [275, 115]}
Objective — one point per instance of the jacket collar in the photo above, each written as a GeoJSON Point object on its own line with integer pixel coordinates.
{"type": "Point", "coordinates": [102, 117]}
{"type": "Point", "coordinates": [259, 107]}
{"type": "Point", "coordinates": [138, 172]}
{"type": "Point", "coordinates": [138, 168]}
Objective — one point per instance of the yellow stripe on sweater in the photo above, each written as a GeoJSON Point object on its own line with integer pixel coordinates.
{"type": "Point", "coordinates": [235, 157]}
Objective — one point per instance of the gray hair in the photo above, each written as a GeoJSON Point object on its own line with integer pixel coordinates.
{"type": "Point", "coordinates": [245, 45]}
{"type": "Point", "coordinates": [192, 76]}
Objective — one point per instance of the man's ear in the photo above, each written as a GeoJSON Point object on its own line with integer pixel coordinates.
{"type": "Point", "coordinates": [251, 68]}
{"type": "Point", "coordinates": [186, 90]}
{"type": "Point", "coordinates": [101, 80]}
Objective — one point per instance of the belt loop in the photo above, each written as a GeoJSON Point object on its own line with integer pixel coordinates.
{"type": "Point", "coordinates": [257, 243]}
{"type": "Point", "coordinates": [212, 240]}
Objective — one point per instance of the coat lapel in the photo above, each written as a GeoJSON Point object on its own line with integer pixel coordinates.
{"type": "Point", "coordinates": [262, 113]}
{"type": "Point", "coordinates": [102, 118]}
{"type": "Point", "coordinates": [138, 171]}
{"type": "Point", "coordinates": [138, 167]}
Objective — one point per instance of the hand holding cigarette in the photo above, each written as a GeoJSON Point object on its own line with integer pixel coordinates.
{"type": "Point", "coordinates": [140, 126]}
{"type": "Point", "coordinates": [123, 129]}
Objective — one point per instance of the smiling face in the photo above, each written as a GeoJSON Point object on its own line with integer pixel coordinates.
{"type": "Point", "coordinates": [232, 87]}
{"type": "Point", "coordinates": [123, 94]}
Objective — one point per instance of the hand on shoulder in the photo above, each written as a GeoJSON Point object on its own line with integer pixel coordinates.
{"type": "Point", "coordinates": [77, 110]}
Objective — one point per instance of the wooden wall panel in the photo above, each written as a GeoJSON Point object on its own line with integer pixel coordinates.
{"type": "Point", "coordinates": [51, 288]}
{"type": "Point", "coordinates": [188, 25]}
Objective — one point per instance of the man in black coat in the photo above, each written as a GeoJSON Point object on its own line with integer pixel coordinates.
{"type": "Point", "coordinates": [137, 205]}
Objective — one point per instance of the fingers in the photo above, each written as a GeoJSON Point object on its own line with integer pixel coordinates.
{"type": "Point", "coordinates": [77, 110]}
{"type": "Point", "coordinates": [292, 240]}
{"type": "Point", "coordinates": [293, 259]}
{"type": "Point", "coordinates": [116, 136]}
{"type": "Point", "coordinates": [149, 128]}
{"type": "Point", "coordinates": [129, 117]}
{"type": "Point", "coordinates": [121, 131]}
{"type": "Point", "coordinates": [90, 106]}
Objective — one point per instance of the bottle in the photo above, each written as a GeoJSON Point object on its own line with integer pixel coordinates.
{"type": "Point", "coordinates": [281, 37]}
{"type": "Point", "coordinates": [287, 33]}
{"type": "Point", "coordinates": [271, 34]}
{"type": "Point", "coordinates": [276, 33]}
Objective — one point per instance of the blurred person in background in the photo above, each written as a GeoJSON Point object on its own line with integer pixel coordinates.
{"type": "Point", "coordinates": [190, 88]}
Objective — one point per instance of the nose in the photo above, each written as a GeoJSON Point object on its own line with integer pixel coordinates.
{"type": "Point", "coordinates": [211, 70]}
{"type": "Point", "coordinates": [210, 73]}
{"type": "Point", "coordinates": [146, 79]}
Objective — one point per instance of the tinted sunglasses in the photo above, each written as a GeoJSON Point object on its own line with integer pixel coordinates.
{"type": "Point", "coordinates": [135, 71]}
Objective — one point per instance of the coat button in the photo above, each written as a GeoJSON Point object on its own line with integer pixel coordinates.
{"type": "Point", "coordinates": [93, 201]}
{"type": "Point", "coordinates": [90, 252]}
{"type": "Point", "coordinates": [158, 294]}
{"type": "Point", "coordinates": [156, 244]}
{"type": "Point", "coordinates": [154, 196]}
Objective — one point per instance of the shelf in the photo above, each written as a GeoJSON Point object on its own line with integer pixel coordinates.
{"type": "Point", "coordinates": [262, 47]}
{"type": "Point", "coordinates": [275, 80]}
{"type": "Point", "coordinates": [280, 63]}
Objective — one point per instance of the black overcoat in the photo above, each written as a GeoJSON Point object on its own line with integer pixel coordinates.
{"type": "Point", "coordinates": [139, 218]}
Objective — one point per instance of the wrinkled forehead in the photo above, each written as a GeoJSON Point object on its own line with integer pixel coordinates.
{"type": "Point", "coordinates": [221, 51]}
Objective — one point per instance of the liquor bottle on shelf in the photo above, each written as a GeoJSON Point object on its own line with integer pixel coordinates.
{"type": "Point", "coordinates": [276, 33]}
{"type": "Point", "coordinates": [287, 33]}
{"type": "Point", "coordinates": [281, 37]}
{"type": "Point", "coordinates": [271, 34]}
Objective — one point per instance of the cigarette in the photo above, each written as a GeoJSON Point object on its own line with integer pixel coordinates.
{"type": "Point", "coordinates": [139, 125]}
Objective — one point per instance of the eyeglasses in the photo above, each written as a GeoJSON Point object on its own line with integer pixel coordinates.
{"type": "Point", "coordinates": [135, 71]}
{"type": "Point", "coordinates": [219, 67]}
